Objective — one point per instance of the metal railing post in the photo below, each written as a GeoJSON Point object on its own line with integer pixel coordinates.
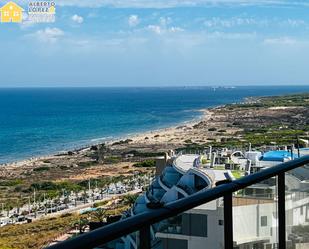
{"type": "Point", "coordinates": [144, 238]}
{"type": "Point", "coordinates": [228, 221]}
{"type": "Point", "coordinates": [281, 211]}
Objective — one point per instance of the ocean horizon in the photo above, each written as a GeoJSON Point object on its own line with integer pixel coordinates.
{"type": "Point", "coordinates": [43, 121]}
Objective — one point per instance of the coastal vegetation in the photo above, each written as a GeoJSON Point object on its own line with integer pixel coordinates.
{"type": "Point", "coordinates": [237, 174]}
{"type": "Point", "coordinates": [129, 199]}
{"type": "Point", "coordinates": [144, 154]}
{"type": "Point", "coordinates": [278, 120]}
{"type": "Point", "coordinates": [43, 168]}
{"type": "Point", "coordinates": [40, 233]}
{"type": "Point", "coordinates": [10, 183]}
{"type": "Point", "coordinates": [35, 234]}
{"type": "Point", "coordinates": [17, 193]}
{"type": "Point", "coordinates": [87, 164]}
{"type": "Point", "coordinates": [295, 100]}
{"type": "Point", "coordinates": [146, 163]}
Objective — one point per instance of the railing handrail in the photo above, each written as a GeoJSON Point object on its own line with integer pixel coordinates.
{"type": "Point", "coordinates": [132, 224]}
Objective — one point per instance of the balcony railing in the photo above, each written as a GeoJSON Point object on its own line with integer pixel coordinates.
{"type": "Point", "coordinates": [143, 224]}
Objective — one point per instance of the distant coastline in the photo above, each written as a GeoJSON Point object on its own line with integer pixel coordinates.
{"type": "Point", "coordinates": [178, 119]}
{"type": "Point", "coordinates": [203, 115]}
{"type": "Point", "coordinates": [110, 141]}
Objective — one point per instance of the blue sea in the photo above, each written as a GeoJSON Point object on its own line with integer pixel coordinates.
{"type": "Point", "coordinates": [43, 121]}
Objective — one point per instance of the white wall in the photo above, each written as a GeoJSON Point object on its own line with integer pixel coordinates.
{"type": "Point", "coordinates": [247, 223]}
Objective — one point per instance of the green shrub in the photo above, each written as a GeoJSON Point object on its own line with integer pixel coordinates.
{"type": "Point", "coordinates": [55, 186]}
{"type": "Point", "coordinates": [10, 183]}
{"type": "Point", "coordinates": [130, 199]}
{"type": "Point", "coordinates": [44, 186]}
{"type": "Point", "coordinates": [204, 161]}
{"type": "Point", "coordinates": [123, 142]}
{"type": "Point", "coordinates": [112, 159]}
{"type": "Point", "coordinates": [100, 203]}
{"type": "Point", "coordinates": [86, 164]}
{"type": "Point", "coordinates": [145, 164]}
{"type": "Point", "coordinates": [43, 168]}
{"type": "Point", "coordinates": [145, 154]}
{"type": "Point", "coordinates": [18, 189]}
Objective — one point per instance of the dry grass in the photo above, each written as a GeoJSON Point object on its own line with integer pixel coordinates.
{"type": "Point", "coordinates": [35, 234]}
{"type": "Point", "coordinates": [38, 234]}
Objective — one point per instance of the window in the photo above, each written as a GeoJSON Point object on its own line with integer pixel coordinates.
{"type": "Point", "coordinates": [6, 13]}
{"type": "Point", "coordinates": [16, 13]}
{"type": "Point", "coordinates": [302, 210]}
{"type": "Point", "coordinates": [258, 246]}
{"type": "Point", "coordinates": [263, 221]}
{"type": "Point", "coordinates": [194, 225]}
{"type": "Point", "coordinates": [221, 222]}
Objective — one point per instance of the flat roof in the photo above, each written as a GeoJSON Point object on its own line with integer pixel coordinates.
{"type": "Point", "coordinates": [185, 162]}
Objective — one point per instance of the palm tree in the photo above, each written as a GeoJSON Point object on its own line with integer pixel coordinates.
{"type": "Point", "coordinates": [130, 199]}
{"type": "Point", "coordinates": [81, 225]}
{"type": "Point", "coordinates": [66, 201]}
{"type": "Point", "coordinates": [75, 199]}
{"type": "Point", "coordinates": [84, 195]}
{"type": "Point", "coordinates": [131, 184]}
{"type": "Point", "coordinates": [99, 214]}
{"type": "Point", "coordinates": [35, 209]}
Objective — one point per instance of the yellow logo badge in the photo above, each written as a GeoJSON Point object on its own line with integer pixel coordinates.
{"type": "Point", "coordinates": [11, 12]}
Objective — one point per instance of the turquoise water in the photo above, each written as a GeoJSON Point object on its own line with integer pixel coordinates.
{"type": "Point", "coordinates": [36, 122]}
{"type": "Point", "coordinates": [278, 155]}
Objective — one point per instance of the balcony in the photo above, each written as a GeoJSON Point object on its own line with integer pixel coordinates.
{"type": "Point", "coordinates": [245, 221]}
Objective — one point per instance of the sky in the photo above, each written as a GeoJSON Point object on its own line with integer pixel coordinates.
{"type": "Point", "coordinates": [159, 43]}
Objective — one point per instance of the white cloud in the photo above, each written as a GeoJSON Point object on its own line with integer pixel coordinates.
{"type": "Point", "coordinates": [164, 21]}
{"type": "Point", "coordinates": [175, 29]}
{"type": "Point", "coordinates": [49, 35]}
{"type": "Point", "coordinates": [231, 35]}
{"type": "Point", "coordinates": [216, 22]}
{"type": "Point", "coordinates": [163, 27]}
{"type": "Point", "coordinates": [78, 19]}
{"type": "Point", "coordinates": [163, 30]}
{"type": "Point", "coordinates": [155, 28]}
{"type": "Point", "coordinates": [295, 23]}
{"type": "Point", "coordinates": [280, 41]}
{"type": "Point", "coordinates": [133, 20]}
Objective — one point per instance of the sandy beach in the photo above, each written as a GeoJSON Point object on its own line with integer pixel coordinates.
{"type": "Point", "coordinates": [161, 140]}
{"type": "Point", "coordinates": [156, 140]}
